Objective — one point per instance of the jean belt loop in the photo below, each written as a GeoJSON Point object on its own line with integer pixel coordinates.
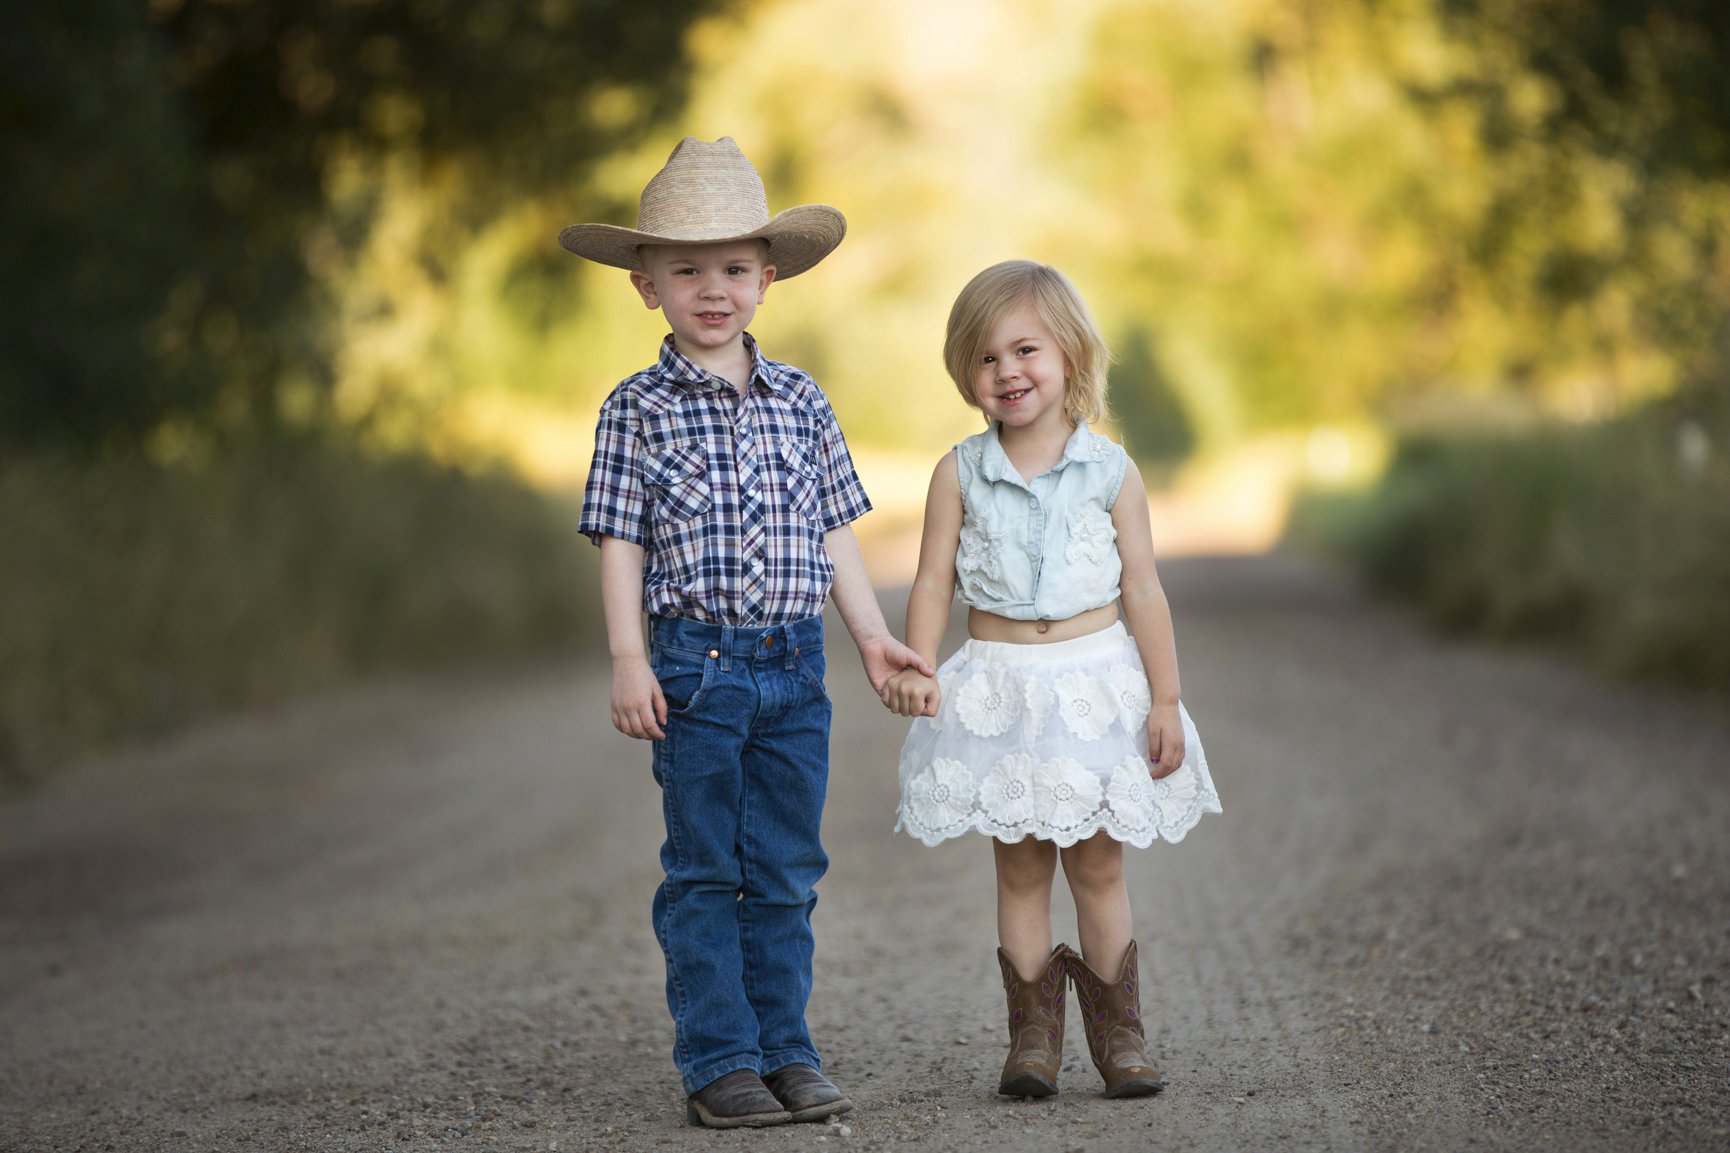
{"type": "Point", "coordinates": [788, 648]}
{"type": "Point", "coordinates": [726, 648]}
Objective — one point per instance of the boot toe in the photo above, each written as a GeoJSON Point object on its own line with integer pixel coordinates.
{"type": "Point", "coordinates": [735, 1100]}
{"type": "Point", "coordinates": [806, 1094]}
{"type": "Point", "coordinates": [1027, 1083]}
{"type": "Point", "coordinates": [1134, 1081]}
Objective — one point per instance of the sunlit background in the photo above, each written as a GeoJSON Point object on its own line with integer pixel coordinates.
{"type": "Point", "coordinates": [298, 384]}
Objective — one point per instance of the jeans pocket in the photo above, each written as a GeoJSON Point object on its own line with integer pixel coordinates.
{"type": "Point", "coordinates": [810, 666]}
{"type": "Point", "coordinates": [683, 676]}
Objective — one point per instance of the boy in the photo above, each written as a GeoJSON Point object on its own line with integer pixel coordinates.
{"type": "Point", "coordinates": [721, 496]}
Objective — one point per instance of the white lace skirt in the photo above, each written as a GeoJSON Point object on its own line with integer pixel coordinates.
{"type": "Point", "coordinates": [1050, 741]}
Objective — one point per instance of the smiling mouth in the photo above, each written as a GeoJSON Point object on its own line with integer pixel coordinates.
{"type": "Point", "coordinates": [1012, 397]}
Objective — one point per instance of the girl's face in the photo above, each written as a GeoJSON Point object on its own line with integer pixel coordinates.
{"type": "Point", "coordinates": [1021, 373]}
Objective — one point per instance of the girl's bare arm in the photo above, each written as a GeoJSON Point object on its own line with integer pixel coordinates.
{"type": "Point", "coordinates": [1149, 616]}
{"type": "Point", "coordinates": [910, 693]}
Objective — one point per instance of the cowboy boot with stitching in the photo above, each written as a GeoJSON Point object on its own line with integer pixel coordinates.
{"type": "Point", "coordinates": [1111, 1017]}
{"type": "Point", "coordinates": [733, 1100]}
{"type": "Point", "coordinates": [1035, 1026]}
{"type": "Point", "coordinates": [806, 1093]}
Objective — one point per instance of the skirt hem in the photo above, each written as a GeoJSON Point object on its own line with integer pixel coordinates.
{"type": "Point", "coordinates": [1063, 840]}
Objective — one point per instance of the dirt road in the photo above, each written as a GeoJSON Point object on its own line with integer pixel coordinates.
{"type": "Point", "coordinates": [1460, 897]}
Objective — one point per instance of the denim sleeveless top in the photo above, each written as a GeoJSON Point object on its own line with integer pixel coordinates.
{"type": "Point", "coordinates": [1043, 549]}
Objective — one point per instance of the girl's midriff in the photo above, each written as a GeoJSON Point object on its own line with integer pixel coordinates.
{"type": "Point", "coordinates": [984, 626]}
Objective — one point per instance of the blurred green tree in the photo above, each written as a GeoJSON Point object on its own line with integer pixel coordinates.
{"type": "Point", "coordinates": [1155, 426]}
{"type": "Point", "coordinates": [1642, 79]}
{"type": "Point", "coordinates": [169, 170]}
{"type": "Point", "coordinates": [1356, 206]}
{"type": "Point", "coordinates": [1633, 98]}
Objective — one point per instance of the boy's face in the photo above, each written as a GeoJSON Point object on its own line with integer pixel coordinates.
{"type": "Point", "coordinates": [708, 292]}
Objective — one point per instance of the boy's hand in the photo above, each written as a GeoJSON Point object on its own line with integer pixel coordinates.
{"type": "Point", "coordinates": [639, 709]}
{"type": "Point", "coordinates": [910, 693]}
{"type": "Point", "coordinates": [884, 656]}
{"type": "Point", "coordinates": [1164, 740]}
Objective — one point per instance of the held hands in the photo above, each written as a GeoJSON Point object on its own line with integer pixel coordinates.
{"type": "Point", "coordinates": [1164, 740]}
{"type": "Point", "coordinates": [639, 709]}
{"type": "Point", "coordinates": [910, 693]}
{"type": "Point", "coordinates": [885, 656]}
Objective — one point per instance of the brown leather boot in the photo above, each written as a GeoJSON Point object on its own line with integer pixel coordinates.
{"type": "Point", "coordinates": [806, 1093]}
{"type": "Point", "coordinates": [1111, 1015]}
{"type": "Point", "coordinates": [1035, 1026]}
{"type": "Point", "coordinates": [735, 1099]}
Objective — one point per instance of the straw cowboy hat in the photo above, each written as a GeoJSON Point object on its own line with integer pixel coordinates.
{"type": "Point", "coordinates": [708, 194]}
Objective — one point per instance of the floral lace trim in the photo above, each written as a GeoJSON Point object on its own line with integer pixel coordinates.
{"type": "Point", "coordinates": [990, 700]}
{"type": "Point", "coordinates": [1091, 538]}
{"type": "Point", "coordinates": [1058, 799]}
{"type": "Point", "coordinates": [980, 553]}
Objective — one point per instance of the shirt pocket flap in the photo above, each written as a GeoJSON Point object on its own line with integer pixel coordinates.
{"type": "Point", "coordinates": [800, 459]}
{"type": "Point", "coordinates": [804, 478]}
{"type": "Point", "coordinates": [677, 465]}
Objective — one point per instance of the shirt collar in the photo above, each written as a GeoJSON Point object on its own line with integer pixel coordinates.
{"type": "Point", "coordinates": [677, 376]}
{"type": "Point", "coordinates": [1083, 446]}
{"type": "Point", "coordinates": [681, 369]}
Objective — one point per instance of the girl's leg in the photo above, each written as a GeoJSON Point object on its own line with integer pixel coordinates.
{"type": "Point", "coordinates": [1035, 976]}
{"type": "Point", "coordinates": [1094, 869]}
{"type": "Point", "coordinates": [1107, 976]}
{"type": "Point", "coordinates": [1024, 874]}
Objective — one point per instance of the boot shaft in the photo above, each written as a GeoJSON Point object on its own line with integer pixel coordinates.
{"type": "Point", "coordinates": [1036, 1011]}
{"type": "Point", "coordinates": [1111, 1018]}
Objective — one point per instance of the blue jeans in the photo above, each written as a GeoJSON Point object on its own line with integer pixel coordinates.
{"type": "Point", "coordinates": [743, 771]}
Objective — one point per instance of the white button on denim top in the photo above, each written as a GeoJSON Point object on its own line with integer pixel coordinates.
{"type": "Point", "coordinates": [1039, 549]}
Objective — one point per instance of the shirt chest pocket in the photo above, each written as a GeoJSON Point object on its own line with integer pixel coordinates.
{"type": "Point", "coordinates": [799, 464]}
{"type": "Point", "coordinates": [678, 482]}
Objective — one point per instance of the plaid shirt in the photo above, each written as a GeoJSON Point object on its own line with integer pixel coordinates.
{"type": "Point", "coordinates": [729, 497]}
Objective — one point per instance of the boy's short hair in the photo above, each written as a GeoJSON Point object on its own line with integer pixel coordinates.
{"type": "Point", "coordinates": [1000, 290]}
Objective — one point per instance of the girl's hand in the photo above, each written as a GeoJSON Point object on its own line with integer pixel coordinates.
{"type": "Point", "coordinates": [1164, 740]}
{"type": "Point", "coordinates": [639, 708]}
{"type": "Point", "coordinates": [884, 656]}
{"type": "Point", "coordinates": [910, 693]}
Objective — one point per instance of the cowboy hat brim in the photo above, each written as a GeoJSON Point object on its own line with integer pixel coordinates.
{"type": "Point", "coordinates": [798, 238]}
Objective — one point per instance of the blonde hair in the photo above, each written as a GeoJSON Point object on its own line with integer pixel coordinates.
{"type": "Point", "coordinates": [999, 291]}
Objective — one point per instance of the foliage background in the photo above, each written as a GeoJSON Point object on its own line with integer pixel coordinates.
{"type": "Point", "coordinates": [320, 235]}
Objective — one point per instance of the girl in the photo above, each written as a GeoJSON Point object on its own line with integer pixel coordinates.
{"type": "Point", "coordinates": [1043, 731]}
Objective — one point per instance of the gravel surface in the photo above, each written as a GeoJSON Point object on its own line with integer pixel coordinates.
{"type": "Point", "coordinates": [1460, 897]}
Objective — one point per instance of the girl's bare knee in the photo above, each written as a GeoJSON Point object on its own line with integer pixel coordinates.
{"type": "Point", "coordinates": [1028, 864]}
{"type": "Point", "coordinates": [1094, 865]}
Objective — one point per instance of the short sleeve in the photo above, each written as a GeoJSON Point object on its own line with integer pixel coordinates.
{"type": "Point", "coordinates": [843, 498]}
{"type": "Point", "coordinates": [614, 501]}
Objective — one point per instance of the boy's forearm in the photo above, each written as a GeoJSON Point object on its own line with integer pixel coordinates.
{"type": "Point", "coordinates": [852, 593]}
{"type": "Point", "coordinates": [622, 598]}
